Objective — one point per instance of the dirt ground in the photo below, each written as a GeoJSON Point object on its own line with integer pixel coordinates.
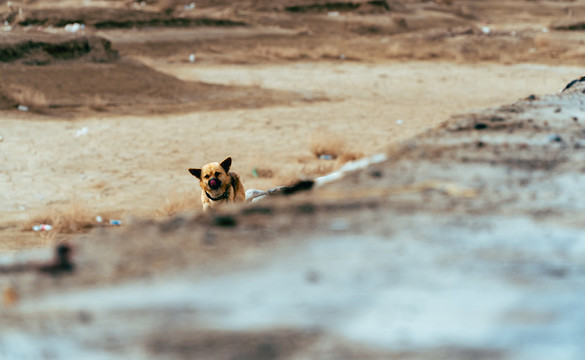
{"type": "Point", "coordinates": [106, 119]}
{"type": "Point", "coordinates": [117, 112]}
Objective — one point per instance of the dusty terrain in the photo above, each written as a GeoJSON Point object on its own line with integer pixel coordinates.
{"type": "Point", "coordinates": [394, 261]}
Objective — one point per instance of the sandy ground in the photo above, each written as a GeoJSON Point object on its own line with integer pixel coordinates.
{"type": "Point", "coordinates": [131, 166]}
{"type": "Point", "coordinates": [463, 241]}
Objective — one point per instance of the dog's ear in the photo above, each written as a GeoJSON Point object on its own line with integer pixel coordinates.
{"type": "Point", "coordinates": [226, 164]}
{"type": "Point", "coordinates": [196, 173]}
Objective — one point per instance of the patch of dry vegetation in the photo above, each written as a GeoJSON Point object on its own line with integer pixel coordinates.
{"type": "Point", "coordinates": [98, 103]}
{"type": "Point", "coordinates": [26, 96]}
{"type": "Point", "coordinates": [71, 219]}
{"type": "Point", "coordinates": [66, 221]}
{"type": "Point", "coordinates": [179, 202]}
{"type": "Point", "coordinates": [327, 144]}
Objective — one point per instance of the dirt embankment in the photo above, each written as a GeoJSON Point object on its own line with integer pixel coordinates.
{"type": "Point", "coordinates": [254, 32]}
{"type": "Point", "coordinates": [64, 73]}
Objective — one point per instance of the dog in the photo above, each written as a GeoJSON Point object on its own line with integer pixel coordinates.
{"type": "Point", "coordinates": [218, 185]}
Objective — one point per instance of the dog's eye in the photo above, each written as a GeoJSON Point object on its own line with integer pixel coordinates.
{"type": "Point", "coordinates": [207, 176]}
{"type": "Point", "coordinates": [217, 173]}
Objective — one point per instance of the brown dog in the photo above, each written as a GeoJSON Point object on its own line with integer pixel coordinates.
{"type": "Point", "coordinates": [219, 185]}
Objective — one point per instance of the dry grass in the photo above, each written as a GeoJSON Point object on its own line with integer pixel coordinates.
{"type": "Point", "coordinates": [330, 51]}
{"type": "Point", "coordinates": [64, 220]}
{"type": "Point", "coordinates": [48, 238]}
{"type": "Point", "coordinates": [326, 143]}
{"type": "Point", "coordinates": [263, 173]}
{"type": "Point", "coordinates": [319, 169]}
{"type": "Point", "coordinates": [27, 96]}
{"type": "Point", "coordinates": [349, 156]}
{"type": "Point", "coordinates": [98, 103]}
{"type": "Point", "coordinates": [179, 202]}
{"type": "Point", "coordinates": [277, 53]}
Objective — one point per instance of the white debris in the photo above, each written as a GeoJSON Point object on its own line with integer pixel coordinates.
{"type": "Point", "coordinates": [192, 58]}
{"type": "Point", "coordinates": [325, 157]}
{"type": "Point", "coordinates": [99, 219]}
{"type": "Point", "coordinates": [486, 30]}
{"type": "Point", "coordinates": [342, 56]}
{"type": "Point", "coordinates": [252, 194]}
{"type": "Point", "coordinates": [42, 227]}
{"type": "Point", "coordinates": [258, 198]}
{"type": "Point", "coordinates": [329, 178]}
{"type": "Point", "coordinates": [544, 30]}
{"type": "Point", "coordinates": [1, 138]}
{"type": "Point", "coordinates": [82, 132]}
{"type": "Point", "coordinates": [333, 13]}
{"type": "Point", "coordinates": [23, 108]}
{"type": "Point", "coordinates": [74, 27]}
{"type": "Point", "coordinates": [399, 122]}
{"type": "Point", "coordinates": [190, 6]}
{"type": "Point", "coordinates": [349, 167]}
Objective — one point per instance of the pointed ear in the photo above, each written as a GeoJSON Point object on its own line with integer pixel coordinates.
{"type": "Point", "coordinates": [196, 173]}
{"type": "Point", "coordinates": [226, 164]}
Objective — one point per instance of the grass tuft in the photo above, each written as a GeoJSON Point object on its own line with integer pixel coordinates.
{"type": "Point", "coordinates": [71, 219]}
{"type": "Point", "coordinates": [26, 96]}
{"type": "Point", "coordinates": [179, 202]}
{"type": "Point", "coordinates": [325, 143]}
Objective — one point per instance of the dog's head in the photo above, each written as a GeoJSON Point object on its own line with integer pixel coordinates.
{"type": "Point", "coordinates": [214, 177]}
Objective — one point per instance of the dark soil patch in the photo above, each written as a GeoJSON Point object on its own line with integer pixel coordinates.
{"type": "Point", "coordinates": [333, 6]}
{"type": "Point", "coordinates": [230, 345]}
{"type": "Point", "coordinates": [41, 49]}
{"type": "Point", "coordinates": [107, 18]}
{"type": "Point", "coordinates": [569, 26]}
{"type": "Point", "coordinates": [121, 84]}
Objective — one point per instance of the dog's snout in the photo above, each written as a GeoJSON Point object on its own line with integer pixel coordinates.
{"type": "Point", "coordinates": [214, 183]}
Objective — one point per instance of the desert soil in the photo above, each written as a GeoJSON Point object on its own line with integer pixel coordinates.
{"type": "Point", "coordinates": [486, 202]}
{"type": "Point", "coordinates": [133, 166]}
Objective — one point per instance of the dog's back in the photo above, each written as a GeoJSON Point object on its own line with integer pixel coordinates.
{"type": "Point", "coordinates": [238, 188]}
